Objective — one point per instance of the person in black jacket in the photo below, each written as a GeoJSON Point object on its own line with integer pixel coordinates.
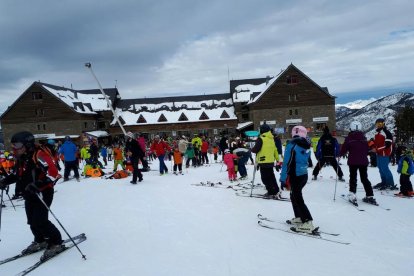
{"type": "Point", "coordinates": [134, 151]}
{"type": "Point", "coordinates": [35, 169]}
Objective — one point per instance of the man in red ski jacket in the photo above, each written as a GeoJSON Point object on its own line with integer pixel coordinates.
{"type": "Point", "coordinates": [160, 148]}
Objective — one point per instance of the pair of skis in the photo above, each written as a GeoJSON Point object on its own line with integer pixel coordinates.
{"type": "Point", "coordinates": [355, 204]}
{"type": "Point", "coordinates": [68, 244]}
{"type": "Point", "coordinates": [316, 234]}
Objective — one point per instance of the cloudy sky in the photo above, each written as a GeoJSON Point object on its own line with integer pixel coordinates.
{"type": "Point", "coordinates": [177, 47]}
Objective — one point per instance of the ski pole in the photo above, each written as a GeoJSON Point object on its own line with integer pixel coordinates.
{"type": "Point", "coordinates": [336, 179]}
{"type": "Point", "coordinates": [254, 175]}
{"type": "Point", "coordinates": [70, 237]}
{"type": "Point", "coordinates": [11, 201]}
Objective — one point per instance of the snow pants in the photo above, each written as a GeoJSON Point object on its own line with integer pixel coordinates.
{"type": "Point", "coordinates": [269, 180]}
{"type": "Point", "coordinates": [242, 163]}
{"type": "Point", "coordinates": [386, 176]}
{"type": "Point", "coordinates": [363, 174]}
{"type": "Point", "coordinates": [406, 185]}
{"type": "Point", "coordinates": [38, 218]}
{"type": "Point", "coordinates": [331, 161]}
{"type": "Point", "coordinates": [297, 183]}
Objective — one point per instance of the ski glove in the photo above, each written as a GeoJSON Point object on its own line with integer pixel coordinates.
{"type": "Point", "coordinates": [278, 167]}
{"type": "Point", "coordinates": [32, 188]}
{"type": "Point", "coordinates": [3, 186]}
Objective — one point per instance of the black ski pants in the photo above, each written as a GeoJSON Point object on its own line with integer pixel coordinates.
{"type": "Point", "coordinates": [38, 218]}
{"type": "Point", "coordinates": [179, 166]}
{"type": "Point", "coordinates": [269, 180]}
{"type": "Point", "coordinates": [406, 185]}
{"type": "Point", "coordinates": [71, 165]}
{"type": "Point", "coordinates": [136, 171]}
{"type": "Point", "coordinates": [363, 174]}
{"type": "Point", "coordinates": [297, 183]}
{"type": "Point", "coordinates": [330, 161]}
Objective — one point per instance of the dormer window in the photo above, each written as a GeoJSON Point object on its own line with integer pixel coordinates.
{"type": "Point", "coordinates": [203, 105]}
{"type": "Point", "coordinates": [183, 106]}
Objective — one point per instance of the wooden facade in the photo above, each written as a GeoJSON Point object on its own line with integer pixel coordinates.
{"type": "Point", "coordinates": [292, 99]}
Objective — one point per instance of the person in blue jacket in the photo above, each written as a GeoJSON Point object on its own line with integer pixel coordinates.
{"type": "Point", "coordinates": [295, 170]}
{"type": "Point", "coordinates": [68, 149]}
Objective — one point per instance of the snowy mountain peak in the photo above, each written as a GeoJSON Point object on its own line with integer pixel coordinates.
{"type": "Point", "coordinates": [386, 107]}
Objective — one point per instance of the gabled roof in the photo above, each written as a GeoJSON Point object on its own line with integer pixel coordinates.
{"type": "Point", "coordinates": [83, 101]}
{"type": "Point", "coordinates": [251, 90]}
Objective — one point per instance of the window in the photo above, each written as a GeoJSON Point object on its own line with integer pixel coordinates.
{"type": "Point", "coordinates": [39, 112]}
{"type": "Point", "coordinates": [203, 116]}
{"type": "Point", "coordinates": [38, 127]}
{"type": "Point", "coordinates": [85, 125]}
{"type": "Point", "coordinates": [292, 79]}
{"type": "Point", "coordinates": [290, 112]}
{"type": "Point", "coordinates": [296, 112]}
{"type": "Point", "coordinates": [37, 96]}
{"type": "Point", "coordinates": [141, 120]}
{"type": "Point", "coordinates": [44, 126]}
{"type": "Point", "coordinates": [182, 117]}
{"type": "Point", "coordinates": [101, 125]}
{"type": "Point", "coordinates": [245, 116]}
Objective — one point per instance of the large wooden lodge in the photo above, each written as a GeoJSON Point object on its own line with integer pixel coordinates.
{"type": "Point", "coordinates": [283, 101]}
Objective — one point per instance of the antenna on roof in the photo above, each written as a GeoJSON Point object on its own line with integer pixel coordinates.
{"type": "Point", "coordinates": [116, 82]}
{"type": "Point", "coordinates": [71, 87]}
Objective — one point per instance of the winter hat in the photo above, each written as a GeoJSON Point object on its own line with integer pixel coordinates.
{"type": "Point", "coordinates": [183, 137]}
{"type": "Point", "coordinates": [299, 131]}
{"type": "Point", "coordinates": [226, 151]}
{"type": "Point", "coordinates": [51, 142]}
{"type": "Point", "coordinates": [326, 130]}
{"type": "Point", "coordinates": [264, 128]}
{"type": "Point", "coordinates": [156, 137]}
{"type": "Point", "coordinates": [130, 134]}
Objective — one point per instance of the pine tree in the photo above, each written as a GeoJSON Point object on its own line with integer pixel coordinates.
{"type": "Point", "coordinates": [404, 122]}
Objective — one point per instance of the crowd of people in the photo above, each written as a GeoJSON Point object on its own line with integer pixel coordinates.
{"type": "Point", "coordinates": [35, 168]}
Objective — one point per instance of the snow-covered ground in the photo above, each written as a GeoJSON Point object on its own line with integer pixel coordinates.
{"type": "Point", "coordinates": [166, 226]}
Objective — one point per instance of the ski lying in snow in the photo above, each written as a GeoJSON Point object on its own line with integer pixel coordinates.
{"type": "Point", "coordinates": [263, 197]}
{"type": "Point", "coordinates": [80, 239]}
{"type": "Point", "coordinates": [315, 236]}
{"type": "Point", "coordinates": [80, 236]}
{"type": "Point", "coordinates": [352, 203]}
{"type": "Point", "coordinates": [213, 185]}
{"type": "Point", "coordinates": [259, 216]}
{"type": "Point", "coordinates": [397, 195]}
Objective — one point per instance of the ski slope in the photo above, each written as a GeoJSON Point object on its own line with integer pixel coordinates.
{"type": "Point", "coordinates": [166, 226]}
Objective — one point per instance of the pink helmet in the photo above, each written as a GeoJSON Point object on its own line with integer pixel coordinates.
{"type": "Point", "coordinates": [299, 131]}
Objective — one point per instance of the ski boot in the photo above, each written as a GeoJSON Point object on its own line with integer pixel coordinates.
{"type": "Point", "coordinates": [294, 221]}
{"type": "Point", "coordinates": [53, 250]}
{"type": "Point", "coordinates": [341, 179]}
{"type": "Point", "coordinates": [370, 200]}
{"type": "Point", "coordinates": [352, 198]}
{"type": "Point", "coordinates": [306, 227]}
{"type": "Point", "coordinates": [34, 247]}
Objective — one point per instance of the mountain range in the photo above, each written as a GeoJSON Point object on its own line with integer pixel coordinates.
{"type": "Point", "coordinates": [367, 111]}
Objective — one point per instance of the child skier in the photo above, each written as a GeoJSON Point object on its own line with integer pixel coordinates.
{"type": "Point", "coordinates": [178, 161]}
{"type": "Point", "coordinates": [228, 159]}
{"type": "Point", "coordinates": [190, 156]}
{"type": "Point", "coordinates": [406, 169]}
{"type": "Point", "coordinates": [295, 165]}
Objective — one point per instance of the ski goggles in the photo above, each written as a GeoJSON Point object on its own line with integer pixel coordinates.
{"type": "Point", "coordinates": [17, 146]}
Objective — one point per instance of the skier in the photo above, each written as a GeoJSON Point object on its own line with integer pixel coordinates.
{"type": "Point", "coordinates": [118, 158]}
{"type": "Point", "coordinates": [356, 146]}
{"type": "Point", "coordinates": [178, 161]}
{"type": "Point", "coordinates": [383, 149]}
{"type": "Point", "coordinates": [243, 154]}
{"type": "Point", "coordinates": [134, 152]}
{"type": "Point", "coordinates": [228, 159]}
{"type": "Point", "coordinates": [68, 149]}
{"type": "Point", "coordinates": [266, 155]}
{"type": "Point", "coordinates": [34, 172]}
{"type": "Point", "coordinates": [327, 151]}
{"type": "Point", "coordinates": [160, 148]}
{"type": "Point", "coordinates": [406, 169]}
{"type": "Point", "coordinates": [295, 166]}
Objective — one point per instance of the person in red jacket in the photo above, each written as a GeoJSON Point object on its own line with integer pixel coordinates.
{"type": "Point", "coordinates": [160, 148]}
{"type": "Point", "coordinates": [204, 151]}
{"type": "Point", "coordinates": [383, 148]}
{"type": "Point", "coordinates": [36, 174]}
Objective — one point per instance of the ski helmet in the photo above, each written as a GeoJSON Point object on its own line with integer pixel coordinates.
{"type": "Point", "coordinates": [23, 138]}
{"type": "Point", "coordinates": [226, 151]}
{"type": "Point", "coordinates": [264, 128]}
{"type": "Point", "coordinates": [51, 142]}
{"type": "Point", "coordinates": [299, 131]}
{"type": "Point", "coordinates": [355, 126]}
{"type": "Point", "coordinates": [130, 135]}
{"type": "Point", "coordinates": [67, 138]}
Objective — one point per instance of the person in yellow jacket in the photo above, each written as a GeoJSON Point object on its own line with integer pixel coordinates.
{"type": "Point", "coordinates": [85, 155]}
{"type": "Point", "coordinates": [266, 156]}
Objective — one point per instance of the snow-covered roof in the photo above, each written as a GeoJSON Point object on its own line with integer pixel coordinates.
{"type": "Point", "coordinates": [244, 92]}
{"type": "Point", "coordinates": [97, 133]}
{"type": "Point", "coordinates": [82, 101]}
{"type": "Point", "coordinates": [181, 109]}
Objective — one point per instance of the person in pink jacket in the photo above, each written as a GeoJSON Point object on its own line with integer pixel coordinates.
{"type": "Point", "coordinates": [228, 159]}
